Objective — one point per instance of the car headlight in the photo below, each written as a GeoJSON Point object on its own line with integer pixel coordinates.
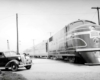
{"type": "Point", "coordinates": [19, 58]}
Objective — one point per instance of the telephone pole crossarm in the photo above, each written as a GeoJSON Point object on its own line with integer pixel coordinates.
{"type": "Point", "coordinates": [95, 7]}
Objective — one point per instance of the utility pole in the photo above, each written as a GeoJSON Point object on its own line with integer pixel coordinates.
{"type": "Point", "coordinates": [17, 33]}
{"type": "Point", "coordinates": [97, 13]}
{"type": "Point", "coordinates": [8, 45]}
{"type": "Point", "coordinates": [50, 33]}
{"type": "Point", "coordinates": [33, 48]}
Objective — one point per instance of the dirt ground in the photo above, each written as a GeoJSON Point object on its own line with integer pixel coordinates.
{"type": "Point", "coordinates": [45, 69]}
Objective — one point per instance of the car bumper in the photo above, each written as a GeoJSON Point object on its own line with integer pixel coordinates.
{"type": "Point", "coordinates": [24, 64]}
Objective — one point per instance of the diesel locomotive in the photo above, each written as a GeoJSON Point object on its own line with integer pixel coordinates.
{"type": "Point", "coordinates": [78, 41]}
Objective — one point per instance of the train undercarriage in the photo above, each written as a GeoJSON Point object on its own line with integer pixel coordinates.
{"type": "Point", "coordinates": [70, 57]}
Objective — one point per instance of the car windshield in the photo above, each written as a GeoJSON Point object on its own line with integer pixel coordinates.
{"type": "Point", "coordinates": [10, 53]}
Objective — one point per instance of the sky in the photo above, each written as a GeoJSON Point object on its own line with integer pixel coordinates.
{"type": "Point", "coordinates": [38, 18]}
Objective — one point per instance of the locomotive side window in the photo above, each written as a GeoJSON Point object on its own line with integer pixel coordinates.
{"type": "Point", "coordinates": [66, 29]}
{"type": "Point", "coordinates": [50, 39]}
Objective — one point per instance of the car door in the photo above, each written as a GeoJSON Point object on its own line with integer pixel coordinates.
{"type": "Point", "coordinates": [3, 59]}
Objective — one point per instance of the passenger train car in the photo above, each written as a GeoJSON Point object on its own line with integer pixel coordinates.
{"type": "Point", "coordinates": [40, 50]}
{"type": "Point", "coordinates": [77, 41]}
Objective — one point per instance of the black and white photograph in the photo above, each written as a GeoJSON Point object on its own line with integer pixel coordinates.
{"type": "Point", "coordinates": [49, 40]}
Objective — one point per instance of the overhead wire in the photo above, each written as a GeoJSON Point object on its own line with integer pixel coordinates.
{"type": "Point", "coordinates": [4, 21]}
{"type": "Point", "coordinates": [94, 15]}
{"type": "Point", "coordinates": [6, 17]}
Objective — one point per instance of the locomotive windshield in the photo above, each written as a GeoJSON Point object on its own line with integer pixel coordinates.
{"type": "Point", "coordinates": [77, 42]}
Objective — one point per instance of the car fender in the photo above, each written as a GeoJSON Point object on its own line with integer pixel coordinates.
{"type": "Point", "coordinates": [12, 61]}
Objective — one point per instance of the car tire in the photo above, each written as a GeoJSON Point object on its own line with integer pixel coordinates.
{"type": "Point", "coordinates": [28, 67]}
{"type": "Point", "coordinates": [14, 67]}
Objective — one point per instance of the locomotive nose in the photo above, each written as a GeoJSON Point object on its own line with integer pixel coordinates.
{"type": "Point", "coordinates": [91, 57]}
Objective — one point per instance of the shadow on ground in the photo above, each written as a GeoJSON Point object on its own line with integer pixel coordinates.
{"type": "Point", "coordinates": [9, 70]}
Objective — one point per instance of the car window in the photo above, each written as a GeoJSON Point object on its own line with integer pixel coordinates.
{"type": "Point", "coordinates": [1, 54]}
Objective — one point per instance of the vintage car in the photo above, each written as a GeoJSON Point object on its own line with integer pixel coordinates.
{"type": "Point", "coordinates": [11, 59]}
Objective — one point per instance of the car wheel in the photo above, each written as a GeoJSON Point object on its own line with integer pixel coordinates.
{"type": "Point", "coordinates": [14, 67]}
{"type": "Point", "coordinates": [28, 67]}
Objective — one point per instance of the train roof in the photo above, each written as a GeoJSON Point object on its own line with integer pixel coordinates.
{"type": "Point", "coordinates": [74, 25]}
{"type": "Point", "coordinates": [82, 21]}
{"type": "Point", "coordinates": [78, 23]}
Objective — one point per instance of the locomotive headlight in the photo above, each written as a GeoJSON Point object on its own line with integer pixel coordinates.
{"type": "Point", "coordinates": [99, 59]}
{"type": "Point", "coordinates": [96, 40]}
{"type": "Point", "coordinates": [97, 54]}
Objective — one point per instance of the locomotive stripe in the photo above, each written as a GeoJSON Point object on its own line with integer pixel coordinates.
{"type": "Point", "coordinates": [78, 33]}
{"type": "Point", "coordinates": [91, 33]}
{"type": "Point", "coordinates": [82, 33]}
{"type": "Point", "coordinates": [88, 49]}
{"type": "Point", "coordinates": [81, 26]}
